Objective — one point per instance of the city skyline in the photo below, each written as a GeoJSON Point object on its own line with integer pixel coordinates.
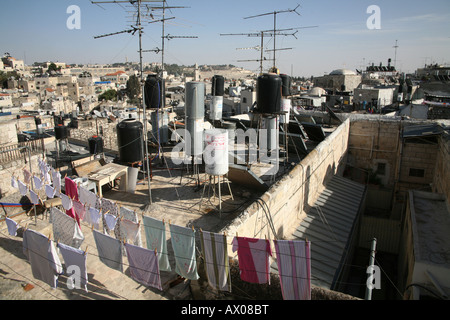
{"type": "Point", "coordinates": [333, 35]}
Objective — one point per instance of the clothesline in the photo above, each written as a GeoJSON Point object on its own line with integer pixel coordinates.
{"type": "Point", "coordinates": [102, 288]}
{"type": "Point", "coordinates": [253, 262]}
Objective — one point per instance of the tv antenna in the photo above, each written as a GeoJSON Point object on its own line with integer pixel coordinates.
{"type": "Point", "coordinates": [395, 58]}
{"type": "Point", "coordinates": [138, 28]}
{"type": "Point", "coordinates": [275, 13]}
{"type": "Point", "coordinates": [264, 33]}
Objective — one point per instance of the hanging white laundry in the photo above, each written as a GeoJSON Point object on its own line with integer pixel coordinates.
{"type": "Point", "coordinates": [57, 182]}
{"type": "Point", "coordinates": [110, 221]}
{"type": "Point", "coordinates": [94, 217]}
{"type": "Point", "coordinates": [43, 258]}
{"type": "Point", "coordinates": [14, 183]}
{"type": "Point", "coordinates": [12, 226]}
{"type": "Point", "coordinates": [49, 191]}
{"type": "Point", "coordinates": [34, 198]}
{"type": "Point", "coordinates": [75, 257]}
{"type": "Point", "coordinates": [37, 183]}
{"type": "Point", "coordinates": [22, 188]}
{"type": "Point", "coordinates": [66, 201]}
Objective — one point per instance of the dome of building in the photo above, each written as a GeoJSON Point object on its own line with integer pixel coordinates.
{"type": "Point", "coordinates": [343, 72]}
{"type": "Point", "coordinates": [317, 92]}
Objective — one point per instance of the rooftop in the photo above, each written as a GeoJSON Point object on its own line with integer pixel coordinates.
{"type": "Point", "coordinates": [431, 223]}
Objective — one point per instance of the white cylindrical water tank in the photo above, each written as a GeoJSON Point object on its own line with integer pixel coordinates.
{"type": "Point", "coordinates": [216, 108]}
{"type": "Point", "coordinates": [286, 108]}
{"type": "Point", "coordinates": [194, 128]}
{"type": "Point", "coordinates": [216, 152]}
{"type": "Point", "coordinates": [271, 127]}
{"type": "Point", "coordinates": [195, 100]}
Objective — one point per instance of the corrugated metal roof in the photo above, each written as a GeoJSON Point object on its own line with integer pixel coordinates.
{"type": "Point", "coordinates": [329, 225]}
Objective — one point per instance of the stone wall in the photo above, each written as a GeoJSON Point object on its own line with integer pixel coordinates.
{"type": "Point", "coordinates": [441, 180]}
{"type": "Point", "coordinates": [288, 200]}
{"type": "Point", "coordinates": [102, 127]}
{"type": "Point", "coordinates": [372, 142]}
{"type": "Point", "coordinates": [8, 133]}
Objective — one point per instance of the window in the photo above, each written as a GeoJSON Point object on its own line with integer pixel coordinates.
{"type": "Point", "coordinates": [418, 173]}
{"type": "Point", "coordinates": [381, 169]}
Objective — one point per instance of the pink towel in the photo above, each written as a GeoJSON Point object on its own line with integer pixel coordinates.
{"type": "Point", "coordinates": [71, 191]}
{"type": "Point", "coordinates": [253, 255]}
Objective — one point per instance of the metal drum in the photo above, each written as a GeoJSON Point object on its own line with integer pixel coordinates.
{"type": "Point", "coordinates": [195, 100]}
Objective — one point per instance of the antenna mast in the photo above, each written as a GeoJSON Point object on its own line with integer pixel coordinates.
{"type": "Point", "coordinates": [275, 13]}
{"type": "Point", "coordinates": [138, 28]}
{"type": "Point", "coordinates": [395, 58]}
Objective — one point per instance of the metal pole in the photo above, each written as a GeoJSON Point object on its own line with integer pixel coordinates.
{"type": "Point", "coordinates": [146, 158]}
{"type": "Point", "coordinates": [371, 264]}
{"type": "Point", "coordinates": [274, 37]}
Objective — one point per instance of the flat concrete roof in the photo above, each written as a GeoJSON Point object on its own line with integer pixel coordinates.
{"type": "Point", "coordinates": [431, 223]}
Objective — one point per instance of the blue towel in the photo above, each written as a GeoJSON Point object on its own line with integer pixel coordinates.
{"type": "Point", "coordinates": [155, 234]}
{"type": "Point", "coordinates": [109, 250]}
{"type": "Point", "coordinates": [183, 243]}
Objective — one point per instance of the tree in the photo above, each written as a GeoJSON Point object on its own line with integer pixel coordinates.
{"type": "Point", "coordinates": [133, 89]}
{"type": "Point", "coordinates": [5, 76]}
{"type": "Point", "coordinates": [109, 95]}
{"type": "Point", "coordinates": [53, 67]}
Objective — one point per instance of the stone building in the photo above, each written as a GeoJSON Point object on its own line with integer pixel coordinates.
{"type": "Point", "coordinates": [340, 80]}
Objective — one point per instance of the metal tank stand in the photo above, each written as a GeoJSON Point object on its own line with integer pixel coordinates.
{"type": "Point", "coordinates": [195, 172]}
{"type": "Point", "coordinates": [214, 191]}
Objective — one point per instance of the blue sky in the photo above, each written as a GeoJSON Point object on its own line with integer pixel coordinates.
{"type": "Point", "coordinates": [36, 31]}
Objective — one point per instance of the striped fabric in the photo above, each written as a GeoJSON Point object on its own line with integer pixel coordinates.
{"type": "Point", "coordinates": [294, 267]}
{"type": "Point", "coordinates": [214, 248]}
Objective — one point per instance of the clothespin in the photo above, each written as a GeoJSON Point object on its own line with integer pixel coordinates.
{"type": "Point", "coordinates": [85, 251]}
{"type": "Point", "coordinates": [237, 235]}
{"type": "Point", "coordinates": [169, 222]}
{"type": "Point", "coordinates": [156, 252]}
{"type": "Point", "coordinates": [192, 226]}
{"type": "Point", "coordinates": [49, 237]}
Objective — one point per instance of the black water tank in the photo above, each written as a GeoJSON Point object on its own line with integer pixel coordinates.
{"type": "Point", "coordinates": [268, 94]}
{"type": "Point", "coordinates": [152, 90]}
{"type": "Point", "coordinates": [130, 140]}
{"type": "Point", "coordinates": [61, 132]}
{"type": "Point", "coordinates": [74, 123]}
{"type": "Point", "coordinates": [286, 85]}
{"type": "Point", "coordinates": [218, 86]}
{"type": "Point", "coordinates": [58, 120]}
{"type": "Point", "coordinates": [95, 145]}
